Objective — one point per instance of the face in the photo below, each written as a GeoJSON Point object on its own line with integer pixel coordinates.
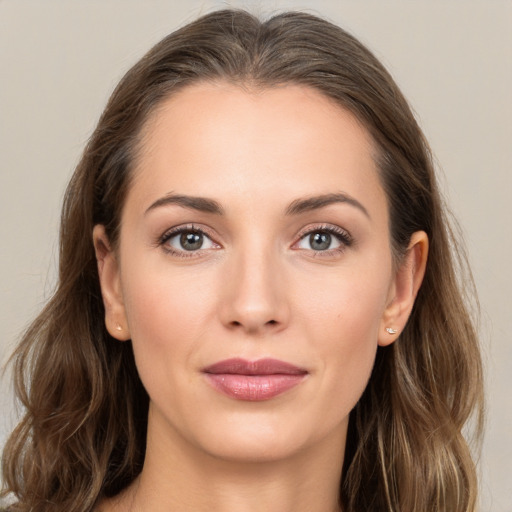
{"type": "Point", "coordinates": [254, 271]}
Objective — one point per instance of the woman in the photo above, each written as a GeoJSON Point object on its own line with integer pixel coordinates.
{"type": "Point", "coordinates": [257, 307]}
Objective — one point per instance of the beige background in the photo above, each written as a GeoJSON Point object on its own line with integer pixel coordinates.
{"type": "Point", "coordinates": [453, 59]}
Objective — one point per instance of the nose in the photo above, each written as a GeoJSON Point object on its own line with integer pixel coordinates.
{"type": "Point", "coordinates": [254, 299]}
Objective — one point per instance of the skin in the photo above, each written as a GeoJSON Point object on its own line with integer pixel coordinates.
{"type": "Point", "coordinates": [257, 288]}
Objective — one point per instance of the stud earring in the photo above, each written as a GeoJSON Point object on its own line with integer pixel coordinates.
{"type": "Point", "coordinates": [391, 330]}
{"type": "Point", "coordinates": [118, 327]}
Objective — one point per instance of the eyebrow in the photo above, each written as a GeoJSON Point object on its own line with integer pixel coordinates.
{"type": "Point", "coordinates": [315, 202]}
{"type": "Point", "coordinates": [296, 207]}
{"type": "Point", "coordinates": [201, 204]}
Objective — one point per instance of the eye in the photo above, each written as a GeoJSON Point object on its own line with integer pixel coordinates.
{"type": "Point", "coordinates": [184, 239]}
{"type": "Point", "coordinates": [324, 239]}
{"type": "Point", "coordinates": [319, 241]}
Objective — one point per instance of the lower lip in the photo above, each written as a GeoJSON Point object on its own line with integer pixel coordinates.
{"type": "Point", "coordinates": [253, 388]}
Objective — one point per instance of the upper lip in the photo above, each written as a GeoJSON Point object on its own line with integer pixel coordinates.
{"type": "Point", "coordinates": [267, 366]}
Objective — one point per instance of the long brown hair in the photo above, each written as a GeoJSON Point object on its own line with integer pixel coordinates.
{"type": "Point", "coordinates": [83, 433]}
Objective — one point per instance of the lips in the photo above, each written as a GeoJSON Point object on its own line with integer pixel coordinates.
{"type": "Point", "coordinates": [253, 380]}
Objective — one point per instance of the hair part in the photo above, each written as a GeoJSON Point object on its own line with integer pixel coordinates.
{"type": "Point", "coordinates": [83, 433]}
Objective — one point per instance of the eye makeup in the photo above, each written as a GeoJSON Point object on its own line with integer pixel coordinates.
{"type": "Point", "coordinates": [187, 241]}
{"type": "Point", "coordinates": [191, 240]}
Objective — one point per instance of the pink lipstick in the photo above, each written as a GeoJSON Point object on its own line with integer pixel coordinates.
{"type": "Point", "coordinates": [253, 380]}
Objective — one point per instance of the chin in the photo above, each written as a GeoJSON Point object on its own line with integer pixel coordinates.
{"type": "Point", "coordinates": [258, 448]}
{"type": "Point", "coordinates": [263, 439]}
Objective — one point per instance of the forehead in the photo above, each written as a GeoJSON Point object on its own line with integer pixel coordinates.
{"type": "Point", "coordinates": [220, 139]}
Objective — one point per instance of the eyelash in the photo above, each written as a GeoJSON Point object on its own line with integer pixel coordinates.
{"type": "Point", "coordinates": [171, 233]}
{"type": "Point", "coordinates": [340, 234]}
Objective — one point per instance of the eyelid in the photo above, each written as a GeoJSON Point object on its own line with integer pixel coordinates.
{"type": "Point", "coordinates": [342, 235]}
{"type": "Point", "coordinates": [176, 230]}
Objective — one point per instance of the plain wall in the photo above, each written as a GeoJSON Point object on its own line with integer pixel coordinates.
{"type": "Point", "coordinates": [453, 60]}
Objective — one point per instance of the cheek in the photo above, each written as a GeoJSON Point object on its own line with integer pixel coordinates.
{"type": "Point", "coordinates": [342, 317]}
{"type": "Point", "coordinates": [166, 312]}
{"type": "Point", "coordinates": [158, 295]}
{"type": "Point", "coordinates": [348, 304]}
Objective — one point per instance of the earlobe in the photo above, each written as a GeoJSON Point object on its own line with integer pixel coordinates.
{"type": "Point", "coordinates": [407, 282]}
{"type": "Point", "coordinates": [110, 283]}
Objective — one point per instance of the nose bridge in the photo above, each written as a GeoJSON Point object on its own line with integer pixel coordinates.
{"type": "Point", "coordinates": [255, 298]}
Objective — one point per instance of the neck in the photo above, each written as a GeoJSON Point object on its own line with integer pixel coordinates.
{"type": "Point", "coordinates": [178, 477]}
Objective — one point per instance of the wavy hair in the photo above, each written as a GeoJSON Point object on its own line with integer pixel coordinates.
{"type": "Point", "coordinates": [82, 436]}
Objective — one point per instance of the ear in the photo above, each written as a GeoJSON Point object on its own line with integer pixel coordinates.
{"type": "Point", "coordinates": [110, 282]}
{"type": "Point", "coordinates": [403, 290]}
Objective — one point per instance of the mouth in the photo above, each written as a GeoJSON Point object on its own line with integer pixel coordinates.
{"type": "Point", "coordinates": [253, 380]}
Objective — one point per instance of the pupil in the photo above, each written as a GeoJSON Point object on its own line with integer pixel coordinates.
{"type": "Point", "coordinates": [191, 241]}
{"type": "Point", "coordinates": [320, 241]}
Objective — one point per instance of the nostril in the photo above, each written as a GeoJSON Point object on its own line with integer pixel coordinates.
{"type": "Point", "coordinates": [237, 323]}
